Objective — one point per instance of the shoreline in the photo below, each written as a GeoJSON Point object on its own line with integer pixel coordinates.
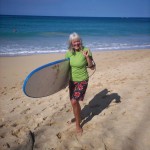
{"type": "Point", "coordinates": [115, 108]}
{"type": "Point", "coordinates": [94, 51]}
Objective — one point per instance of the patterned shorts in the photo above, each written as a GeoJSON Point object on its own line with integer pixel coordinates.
{"type": "Point", "coordinates": [77, 89]}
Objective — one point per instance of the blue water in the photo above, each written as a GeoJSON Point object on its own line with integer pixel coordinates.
{"type": "Point", "coordinates": [26, 35]}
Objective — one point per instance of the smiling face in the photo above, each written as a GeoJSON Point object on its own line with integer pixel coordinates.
{"type": "Point", "coordinates": [76, 44]}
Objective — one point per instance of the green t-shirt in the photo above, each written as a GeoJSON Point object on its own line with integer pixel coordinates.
{"type": "Point", "coordinates": [78, 63]}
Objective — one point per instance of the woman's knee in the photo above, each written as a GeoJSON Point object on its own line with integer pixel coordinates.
{"type": "Point", "coordinates": [74, 102]}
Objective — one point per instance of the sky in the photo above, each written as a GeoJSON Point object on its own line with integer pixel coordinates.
{"type": "Point", "coordinates": [87, 8]}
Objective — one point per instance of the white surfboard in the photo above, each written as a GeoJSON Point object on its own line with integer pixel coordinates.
{"type": "Point", "coordinates": [47, 79]}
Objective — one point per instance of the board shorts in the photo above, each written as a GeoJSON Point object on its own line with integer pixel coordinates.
{"type": "Point", "coordinates": [77, 89]}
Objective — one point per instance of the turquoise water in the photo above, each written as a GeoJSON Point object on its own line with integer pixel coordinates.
{"type": "Point", "coordinates": [26, 35]}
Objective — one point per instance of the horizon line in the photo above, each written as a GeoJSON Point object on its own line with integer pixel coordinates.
{"type": "Point", "coordinates": [72, 16]}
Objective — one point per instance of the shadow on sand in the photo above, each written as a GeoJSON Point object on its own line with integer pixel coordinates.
{"type": "Point", "coordinates": [100, 101]}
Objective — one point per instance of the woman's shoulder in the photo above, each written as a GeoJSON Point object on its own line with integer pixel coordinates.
{"type": "Point", "coordinates": [68, 54]}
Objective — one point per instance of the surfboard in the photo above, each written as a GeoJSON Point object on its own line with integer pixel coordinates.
{"type": "Point", "coordinates": [47, 79]}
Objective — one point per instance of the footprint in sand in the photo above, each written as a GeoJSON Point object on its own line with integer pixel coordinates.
{"type": "Point", "coordinates": [50, 123]}
{"type": "Point", "coordinates": [14, 98]}
{"type": "Point", "coordinates": [44, 118]}
{"type": "Point", "coordinates": [4, 90]}
{"type": "Point", "coordinates": [123, 113]}
{"type": "Point", "coordinates": [25, 111]}
{"type": "Point", "coordinates": [2, 136]}
{"type": "Point", "coordinates": [58, 135]}
{"type": "Point", "coordinates": [13, 87]}
{"type": "Point", "coordinates": [2, 125]}
{"type": "Point", "coordinates": [6, 145]}
{"type": "Point", "coordinates": [3, 93]}
{"type": "Point", "coordinates": [14, 125]}
{"type": "Point", "coordinates": [13, 110]}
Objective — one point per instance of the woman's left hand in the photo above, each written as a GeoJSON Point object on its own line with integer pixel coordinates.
{"type": "Point", "coordinates": [86, 53]}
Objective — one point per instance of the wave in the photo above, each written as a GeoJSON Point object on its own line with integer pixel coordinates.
{"type": "Point", "coordinates": [24, 53]}
{"type": "Point", "coordinates": [106, 47]}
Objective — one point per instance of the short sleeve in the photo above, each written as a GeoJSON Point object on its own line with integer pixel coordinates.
{"type": "Point", "coordinates": [68, 54]}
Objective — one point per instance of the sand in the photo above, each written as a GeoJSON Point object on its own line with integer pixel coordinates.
{"type": "Point", "coordinates": [115, 109]}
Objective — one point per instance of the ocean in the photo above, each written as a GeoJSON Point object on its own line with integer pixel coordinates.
{"type": "Point", "coordinates": [27, 35]}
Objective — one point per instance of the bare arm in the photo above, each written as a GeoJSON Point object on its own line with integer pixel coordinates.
{"type": "Point", "coordinates": [89, 59]}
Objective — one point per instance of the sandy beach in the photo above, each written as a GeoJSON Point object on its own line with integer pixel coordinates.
{"type": "Point", "coordinates": [115, 109]}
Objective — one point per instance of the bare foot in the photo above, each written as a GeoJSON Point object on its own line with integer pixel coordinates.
{"type": "Point", "coordinates": [71, 121]}
{"type": "Point", "coordinates": [79, 130]}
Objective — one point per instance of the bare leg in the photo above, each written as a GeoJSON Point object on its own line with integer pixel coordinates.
{"type": "Point", "coordinates": [77, 113]}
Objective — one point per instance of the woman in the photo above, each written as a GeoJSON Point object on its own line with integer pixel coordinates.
{"type": "Point", "coordinates": [80, 59]}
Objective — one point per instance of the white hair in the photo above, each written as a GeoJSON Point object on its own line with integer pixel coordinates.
{"type": "Point", "coordinates": [73, 36]}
